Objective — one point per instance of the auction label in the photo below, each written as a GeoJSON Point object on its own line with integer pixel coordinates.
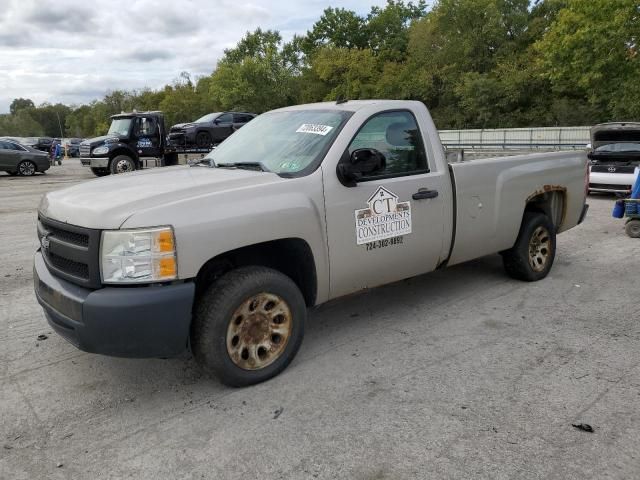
{"type": "Point", "coordinates": [314, 128]}
{"type": "Point", "coordinates": [385, 218]}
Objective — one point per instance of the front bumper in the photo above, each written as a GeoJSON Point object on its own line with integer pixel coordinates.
{"type": "Point", "coordinates": [95, 162]}
{"type": "Point", "coordinates": [182, 137]}
{"type": "Point", "coordinates": [611, 182]}
{"type": "Point", "coordinates": [140, 322]}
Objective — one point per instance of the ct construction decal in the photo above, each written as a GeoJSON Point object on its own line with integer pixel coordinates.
{"type": "Point", "coordinates": [385, 218]}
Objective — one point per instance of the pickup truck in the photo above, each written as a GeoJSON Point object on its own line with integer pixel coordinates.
{"type": "Point", "coordinates": [304, 204]}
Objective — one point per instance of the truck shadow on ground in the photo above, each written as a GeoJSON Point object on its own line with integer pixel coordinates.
{"type": "Point", "coordinates": [353, 316]}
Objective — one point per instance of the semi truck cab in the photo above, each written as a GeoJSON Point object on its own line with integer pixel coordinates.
{"type": "Point", "coordinates": [133, 139]}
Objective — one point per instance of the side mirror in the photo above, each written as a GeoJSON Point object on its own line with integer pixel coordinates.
{"type": "Point", "coordinates": [361, 163]}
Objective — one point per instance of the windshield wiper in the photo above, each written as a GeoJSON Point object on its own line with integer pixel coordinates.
{"type": "Point", "coordinates": [203, 161]}
{"type": "Point", "coordinates": [245, 165]}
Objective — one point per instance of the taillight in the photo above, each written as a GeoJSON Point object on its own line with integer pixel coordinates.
{"type": "Point", "coordinates": [586, 180]}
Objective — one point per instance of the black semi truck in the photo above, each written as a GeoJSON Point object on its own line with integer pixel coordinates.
{"type": "Point", "coordinates": [135, 140]}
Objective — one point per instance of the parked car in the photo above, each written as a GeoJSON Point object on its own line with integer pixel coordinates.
{"type": "Point", "coordinates": [72, 146]}
{"type": "Point", "coordinates": [18, 159]}
{"type": "Point", "coordinates": [615, 157]}
{"type": "Point", "coordinates": [39, 143]}
{"type": "Point", "coordinates": [305, 204]}
{"type": "Point", "coordinates": [210, 129]}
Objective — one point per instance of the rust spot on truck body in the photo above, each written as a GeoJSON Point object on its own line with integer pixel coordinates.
{"type": "Point", "coordinates": [547, 189]}
{"type": "Point", "coordinates": [550, 189]}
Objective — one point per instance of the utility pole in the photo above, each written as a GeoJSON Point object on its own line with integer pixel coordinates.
{"type": "Point", "coordinates": [66, 156]}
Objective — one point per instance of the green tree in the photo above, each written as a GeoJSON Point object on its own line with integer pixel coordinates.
{"type": "Point", "coordinates": [20, 124]}
{"type": "Point", "coordinates": [20, 104]}
{"type": "Point", "coordinates": [337, 27]}
{"type": "Point", "coordinates": [257, 75]}
{"type": "Point", "coordinates": [349, 73]}
{"type": "Point", "coordinates": [591, 51]}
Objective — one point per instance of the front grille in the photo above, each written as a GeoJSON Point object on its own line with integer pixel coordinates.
{"type": "Point", "coordinates": [80, 239]}
{"type": "Point", "coordinates": [77, 269]}
{"type": "Point", "coordinates": [70, 252]}
{"type": "Point", "coordinates": [613, 168]}
{"type": "Point", "coordinates": [85, 150]}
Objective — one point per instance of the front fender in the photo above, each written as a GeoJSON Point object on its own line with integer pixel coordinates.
{"type": "Point", "coordinates": [209, 225]}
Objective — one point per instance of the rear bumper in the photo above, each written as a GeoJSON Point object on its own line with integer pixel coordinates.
{"type": "Point", "coordinates": [583, 214]}
{"type": "Point", "coordinates": [43, 166]}
{"type": "Point", "coordinates": [124, 322]}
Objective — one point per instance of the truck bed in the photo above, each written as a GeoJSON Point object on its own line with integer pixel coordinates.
{"type": "Point", "coordinates": [491, 194]}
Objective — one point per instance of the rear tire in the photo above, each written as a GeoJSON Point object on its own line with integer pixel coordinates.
{"type": "Point", "coordinates": [27, 168]}
{"type": "Point", "coordinates": [122, 164]}
{"type": "Point", "coordinates": [100, 172]}
{"type": "Point", "coordinates": [203, 140]}
{"type": "Point", "coordinates": [531, 258]}
{"type": "Point", "coordinates": [248, 326]}
{"type": "Point", "coordinates": [633, 228]}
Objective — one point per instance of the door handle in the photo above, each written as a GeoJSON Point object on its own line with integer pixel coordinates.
{"type": "Point", "coordinates": [424, 193]}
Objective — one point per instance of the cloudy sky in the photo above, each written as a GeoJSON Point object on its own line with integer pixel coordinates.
{"type": "Point", "coordinates": [73, 51]}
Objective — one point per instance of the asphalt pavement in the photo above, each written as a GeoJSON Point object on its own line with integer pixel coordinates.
{"type": "Point", "coordinates": [462, 373]}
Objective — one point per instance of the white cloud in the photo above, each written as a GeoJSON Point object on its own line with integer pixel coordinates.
{"type": "Point", "coordinates": [74, 51]}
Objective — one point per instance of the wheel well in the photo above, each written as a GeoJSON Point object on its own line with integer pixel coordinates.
{"type": "Point", "coordinates": [123, 151]}
{"type": "Point", "coordinates": [290, 256]}
{"type": "Point", "coordinates": [551, 202]}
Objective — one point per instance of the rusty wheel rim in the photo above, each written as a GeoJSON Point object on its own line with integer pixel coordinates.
{"type": "Point", "coordinates": [259, 331]}
{"type": "Point", "coordinates": [539, 249]}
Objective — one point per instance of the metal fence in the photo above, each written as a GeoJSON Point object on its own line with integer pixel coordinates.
{"type": "Point", "coordinates": [542, 138]}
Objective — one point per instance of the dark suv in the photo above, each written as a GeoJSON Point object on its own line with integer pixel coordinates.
{"type": "Point", "coordinates": [209, 130]}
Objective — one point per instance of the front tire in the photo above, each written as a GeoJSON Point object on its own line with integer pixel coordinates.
{"type": "Point", "coordinates": [531, 258]}
{"type": "Point", "coordinates": [633, 228]}
{"type": "Point", "coordinates": [26, 168]}
{"type": "Point", "coordinates": [122, 164]}
{"type": "Point", "coordinates": [100, 172]}
{"type": "Point", "coordinates": [203, 140]}
{"type": "Point", "coordinates": [248, 326]}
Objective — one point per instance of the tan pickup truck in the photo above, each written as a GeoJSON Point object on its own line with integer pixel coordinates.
{"type": "Point", "coordinates": [303, 205]}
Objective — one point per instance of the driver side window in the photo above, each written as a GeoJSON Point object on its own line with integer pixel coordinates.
{"type": "Point", "coordinates": [145, 126]}
{"type": "Point", "coordinates": [225, 118]}
{"type": "Point", "coordinates": [397, 137]}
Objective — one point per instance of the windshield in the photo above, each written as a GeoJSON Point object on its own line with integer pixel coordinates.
{"type": "Point", "coordinates": [283, 142]}
{"type": "Point", "coordinates": [120, 127]}
{"type": "Point", "coordinates": [207, 118]}
{"type": "Point", "coordinates": [619, 147]}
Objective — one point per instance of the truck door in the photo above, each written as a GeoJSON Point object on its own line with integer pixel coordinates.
{"type": "Point", "coordinates": [223, 127]}
{"type": "Point", "coordinates": [240, 119]}
{"type": "Point", "coordinates": [9, 158]}
{"type": "Point", "coordinates": [146, 135]}
{"type": "Point", "coordinates": [389, 226]}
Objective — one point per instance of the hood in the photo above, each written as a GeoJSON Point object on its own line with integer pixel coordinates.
{"type": "Point", "coordinates": [615, 132]}
{"type": "Point", "coordinates": [106, 203]}
{"type": "Point", "coordinates": [183, 126]}
{"type": "Point", "coordinates": [100, 140]}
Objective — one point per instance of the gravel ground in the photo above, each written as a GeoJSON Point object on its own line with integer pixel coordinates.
{"type": "Point", "coordinates": [463, 373]}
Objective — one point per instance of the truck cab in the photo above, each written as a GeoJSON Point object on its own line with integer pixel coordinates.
{"type": "Point", "coordinates": [132, 138]}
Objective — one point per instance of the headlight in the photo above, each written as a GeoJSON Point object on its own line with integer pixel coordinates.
{"type": "Point", "coordinates": [138, 256]}
{"type": "Point", "coordinates": [100, 150]}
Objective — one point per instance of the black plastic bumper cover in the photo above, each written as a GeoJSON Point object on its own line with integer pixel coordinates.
{"type": "Point", "coordinates": [583, 215]}
{"type": "Point", "coordinates": [123, 322]}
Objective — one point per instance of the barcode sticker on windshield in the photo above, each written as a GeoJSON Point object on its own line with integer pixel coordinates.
{"type": "Point", "coordinates": [314, 128]}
